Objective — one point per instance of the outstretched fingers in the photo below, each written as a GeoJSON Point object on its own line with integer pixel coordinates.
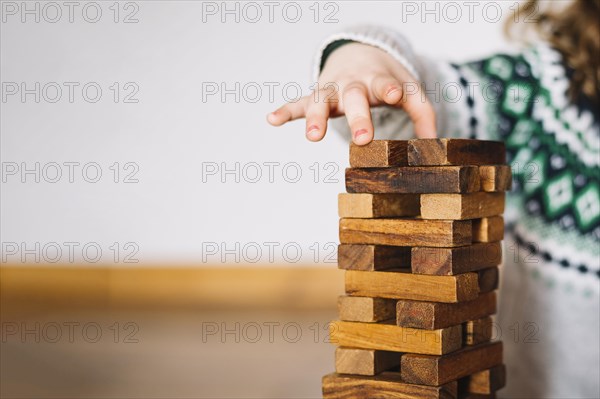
{"type": "Point", "coordinates": [356, 107]}
{"type": "Point", "coordinates": [317, 113]}
{"type": "Point", "coordinates": [288, 112]}
{"type": "Point", "coordinates": [355, 101]}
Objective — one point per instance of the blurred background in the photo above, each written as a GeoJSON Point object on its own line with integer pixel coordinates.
{"type": "Point", "coordinates": [159, 239]}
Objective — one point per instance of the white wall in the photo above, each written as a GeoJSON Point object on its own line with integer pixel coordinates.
{"type": "Point", "coordinates": [171, 132]}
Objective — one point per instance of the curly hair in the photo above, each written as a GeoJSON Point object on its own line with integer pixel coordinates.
{"type": "Point", "coordinates": [575, 32]}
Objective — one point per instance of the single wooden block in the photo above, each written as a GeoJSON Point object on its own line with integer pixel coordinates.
{"type": "Point", "coordinates": [435, 315]}
{"type": "Point", "coordinates": [438, 370]}
{"type": "Point", "coordinates": [485, 382]}
{"type": "Point", "coordinates": [377, 205]}
{"type": "Point", "coordinates": [383, 386]}
{"type": "Point", "coordinates": [431, 152]}
{"type": "Point", "coordinates": [461, 206]}
{"type": "Point", "coordinates": [488, 229]}
{"type": "Point", "coordinates": [450, 261]}
{"type": "Point", "coordinates": [364, 361]}
{"type": "Point", "coordinates": [418, 287]}
{"type": "Point", "coordinates": [406, 232]}
{"type": "Point", "coordinates": [365, 309]}
{"type": "Point", "coordinates": [495, 178]}
{"type": "Point", "coordinates": [488, 279]}
{"type": "Point", "coordinates": [379, 153]}
{"type": "Point", "coordinates": [390, 337]}
{"type": "Point", "coordinates": [372, 257]}
{"type": "Point", "coordinates": [478, 331]}
{"type": "Point", "coordinates": [413, 180]}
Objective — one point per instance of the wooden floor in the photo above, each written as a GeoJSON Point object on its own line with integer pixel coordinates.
{"type": "Point", "coordinates": [170, 359]}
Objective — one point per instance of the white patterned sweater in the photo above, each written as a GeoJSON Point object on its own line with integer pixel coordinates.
{"type": "Point", "coordinates": [549, 312]}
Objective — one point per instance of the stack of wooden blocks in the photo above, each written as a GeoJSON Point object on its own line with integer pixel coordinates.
{"type": "Point", "coordinates": [420, 234]}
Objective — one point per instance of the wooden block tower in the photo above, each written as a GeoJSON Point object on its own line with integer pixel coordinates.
{"type": "Point", "coordinates": [420, 234]}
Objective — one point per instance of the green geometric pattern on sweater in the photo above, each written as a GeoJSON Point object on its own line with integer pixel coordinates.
{"type": "Point", "coordinates": [553, 181]}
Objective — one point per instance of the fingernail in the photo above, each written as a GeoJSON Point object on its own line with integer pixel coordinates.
{"type": "Point", "coordinates": [391, 90]}
{"type": "Point", "coordinates": [360, 132]}
{"type": "Point", "coordinates": [312, 132]}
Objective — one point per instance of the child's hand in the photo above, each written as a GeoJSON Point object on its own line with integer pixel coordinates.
{"type": "Point", "coordinates": [356, 77]}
